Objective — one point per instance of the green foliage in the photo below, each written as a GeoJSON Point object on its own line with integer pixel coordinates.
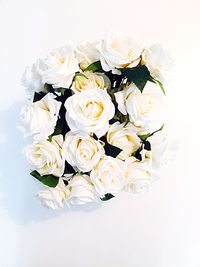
{"type": "Point", "coordinates": [81, 74]}
{"type": "Point", "coordinates": [49, 180]}
{"type": "Point", "coordinates": [61, 90]}
{"type": "Point", "coordinates": [110, 150]}
{"type": "Point", "coordinates": [138, 75]}
{"type": "Point", "coordinates": [145, 136]}
{"type": "Point", "coordinates": [49, 138]}
{"type": "Point", "coordinates": [96, 66]}
{"type": "Point", "coordinates": [38, 96]}
{"type": "Point", "coordinates": [107, 197]}
{"type": "Point", "coordinates": [127, 120]}
{"type": "Point", "coordinates": [68, 168]}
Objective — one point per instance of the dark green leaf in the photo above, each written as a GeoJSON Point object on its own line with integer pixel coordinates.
{"type": "Point", "coordinates": [68, 168]}
{"type": "Point", "coordinates": [110, 150]}
{"type": "Point", "coordinates": [38, 96]}
{"type": "Point", "coordinates": [144, 136]}
{"type": "Point", "coordinates": [138, 75]}
{"type": "Point", "coordinates": [137, 154]}
{"type": "Point", "coordinates": [48, 88]}
{"type": "Point", "coordinates": [65, 182]}
{"type": "Point", "coordinates": [127, 120]}
{"type": "Point", "coordinates": [61, 90]}
{"type": "Point", "coordinates": [49, 180]}
{"type": "Point", "coordinates": [49, 138]}
{"type": "Point", "coordinates": [95, 137]}
{"type": "Point", "coordinates": [116, 118]}
{"type": "Point", "coordinates": [107, 197]}
{"type": "Point", "coordinates": [147, 145]}
{"type": "Point", "coordinates": [96, 66]}
{"type": "Point", "coordinates": [61, 125]}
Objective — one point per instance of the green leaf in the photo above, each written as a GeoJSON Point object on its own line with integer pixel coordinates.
{"type": "Point", "coordinates": [138, 75]}
{"type": "Point", "coordinates": [38, 96]}
{"type": "Point", "coordinates": [127, 120]}
{"type": "Point", "coordinates": [107, 197]}
{"type": "Point", "coordinates": [96, 66]}
{"type": "Point", "coordinates": [110, 150]}
{"type": "Point", "coordinates": [147, 145]}
{"type": "Point", "coordinates": [145, 136]}
{"type": "Point", "coordinates": [81, 74]}
{"type": "Point", "coordinates": [137, 154]}
{"type": "Point", "coordinates": [116, 118]}
{"type": "Point", "coordinates": [49, 180]}
{"type": "Point", "coordinates": [59, 127]}
{"type": "Point", "coordinates": [48, 87]}
{"type": "Point", "coordinates": [158, 83]}
{"type": "Point", "coordinates": [68, 168]}
{"type": "Point", "coordinates": [49, 138]}
{"type": "Point", "coordinates": [61, 90]}
{"type": "Point", "coordinates": [160, 129]}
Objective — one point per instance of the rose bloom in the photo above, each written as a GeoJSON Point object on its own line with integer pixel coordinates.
{"type": "Point", "coordinates": [125, 138]}
{"type": "Point", "coordinates": [82, 151]}
{"type": "Point", "coordinates": [82, 190]}
{"type": "Point", "coordinates": [108, 176]}
{"type": "Point", "coordinates": [87, 54]}
{"type": "Point", "coordinates": [57, 68]}
{"type": "Point", "coordinates": [45, 156]}
{"type": "Point", "coordinates": [163, 148]}
{"type": "Point", "coordinates": [145, 109]}
{"type": "Point", "coordinates": [158, 60]}
{"type": "Point", "coordinates": [32, 81]}
{"type": "Point", "coordinates": [39, 118]}
{"type": "Point", "coordinates": [90, 80]}
{"type": "Point", "coordinates": [139, 174]}
{"type": "Point", "coordinates": [119, 51]}
{"type": "Point", "coordinates": [90, 111]}
{"type": "Point", "coordinates": [54, 198]}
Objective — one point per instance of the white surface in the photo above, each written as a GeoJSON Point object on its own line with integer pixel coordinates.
{"type": "Point", "coordinates": [156, 229]}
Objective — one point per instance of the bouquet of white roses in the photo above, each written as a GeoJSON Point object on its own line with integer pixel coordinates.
{"type": "Point", "coordinates": [96, 118]}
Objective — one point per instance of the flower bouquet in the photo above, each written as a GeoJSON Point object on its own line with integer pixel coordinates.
{"type": "Point", "coordinates": [95, 115]}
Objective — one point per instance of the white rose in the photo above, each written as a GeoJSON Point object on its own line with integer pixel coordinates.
{"type": "Point", "coordinates": [39, 118]}
{"type": "Point", "coordinates": [90, 80]}
{"type": "Point", "coordinates": [90, 111]}
{"type": "Point", "coordinates": [46, 156]}
{"type": "Point", "coordinates": [108, 176]}
{"type": "Point", "coordinates": [87, 54]}
{"type": "Point", "coordinates": [158, 60]}
{"type": "Point", "coordinates": [125, 138]}
{"type": "Point", "coordinates": [82, 190]}
{"type": "Point", "coordinates": [163, 148]}
{"type": "Point", "coordinates": [58, 67]}
{"type": "Point", "coordinates": [82, 151]}
{"type": "Point", "coordinates": [138, 174]}
{"type": "Point", "coordinates": [145, 109]}
{"type": "Point", "coordinates": [54, 198]}
{"type": "Point", "coordinates": [32, 81]}
{"type": "Point", "coordinates": [119, 51]}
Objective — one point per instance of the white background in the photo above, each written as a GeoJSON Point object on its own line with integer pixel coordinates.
{"type": "Point", "coordinates": [156, 229]}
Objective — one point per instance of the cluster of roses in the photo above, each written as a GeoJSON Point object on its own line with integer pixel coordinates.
{"type": "Point", "coordinates": [96, 119]}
